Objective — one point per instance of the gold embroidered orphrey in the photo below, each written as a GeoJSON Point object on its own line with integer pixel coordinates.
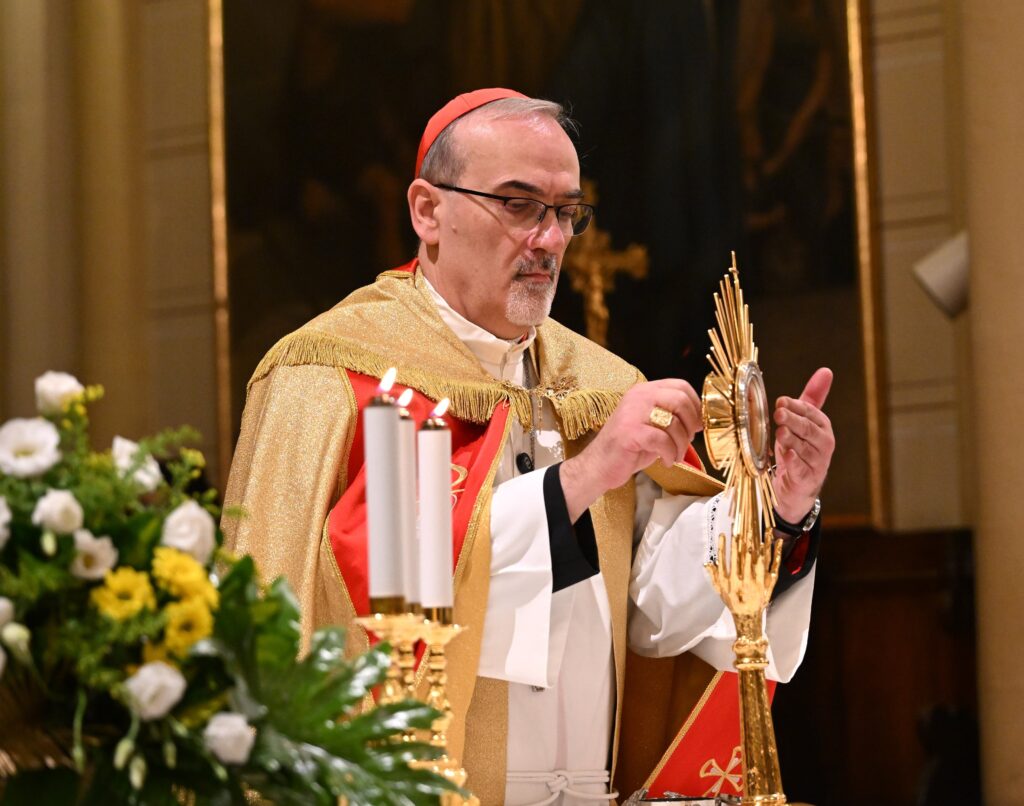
{"type": "Point", "coordinates": [746, 567]}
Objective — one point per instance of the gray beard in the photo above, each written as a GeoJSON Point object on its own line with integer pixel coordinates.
{"type": "Point", "coordinates": [529, 304]}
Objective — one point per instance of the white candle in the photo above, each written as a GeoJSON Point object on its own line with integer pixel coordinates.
{"type": "Point", "coordinates": [380, 426]}
{"type": "Point", "coordinates": [407, 500]}
{"type": "Point", "coordinates": [434, 455]}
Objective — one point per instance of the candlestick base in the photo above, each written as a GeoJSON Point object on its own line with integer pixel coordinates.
{"type": "Point", "coordinates": [438, 633]}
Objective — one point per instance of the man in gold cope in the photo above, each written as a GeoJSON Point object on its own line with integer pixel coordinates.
{"type": "Point", "coordinates": [565, 563]}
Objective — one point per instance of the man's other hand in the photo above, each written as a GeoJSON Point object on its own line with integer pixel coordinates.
{"type": "Point", "coordinates": [804, 443]}
{"type": "Point", "coordinates": [629, 442]}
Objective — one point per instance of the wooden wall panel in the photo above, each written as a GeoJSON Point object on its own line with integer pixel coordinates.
{"type": "Point", "coordinates": [891, 637]}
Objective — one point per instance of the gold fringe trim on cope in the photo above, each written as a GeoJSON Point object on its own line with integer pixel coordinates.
{"type": "Point", "coordinates": [472, 399]}
{"type": "Point", "coordinates": [584, 410]}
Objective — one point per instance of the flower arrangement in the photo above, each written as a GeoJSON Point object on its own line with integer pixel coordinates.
{"type": "Point", "coordinates": [139, 663]}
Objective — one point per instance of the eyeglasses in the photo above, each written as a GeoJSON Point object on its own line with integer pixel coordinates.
{"type": "Point", "coordinates": [572, 218]}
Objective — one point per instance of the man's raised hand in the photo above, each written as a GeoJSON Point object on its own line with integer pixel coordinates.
{"type": "Point", "coordinates": [804, 443]}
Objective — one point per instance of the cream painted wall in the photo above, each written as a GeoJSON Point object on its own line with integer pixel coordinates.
{"type": "Point", "coordinates": [105, 254]}
{"type": "Point", "coordinates": [39, 281]}
{"type": "Point", "coordinates": [176, 236]}
{"type": "Point", "coordinates": [110, 211]}
{"type": "Point", "coordinates": [919, 133]}
{"type": "Point", "coordinates": [994, 105]}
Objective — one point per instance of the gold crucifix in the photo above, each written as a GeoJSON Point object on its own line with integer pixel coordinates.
{"type": "Point", "coordinates": [592, 264]}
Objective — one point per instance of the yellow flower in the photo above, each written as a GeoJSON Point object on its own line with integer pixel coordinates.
{"type": "Point", "coordinates": [181, 575]}
{"type": "Point", "coordinates": [187, 622]}
{"type": "Point", "coordinates": [153, 652]}
{"type": "Point", "coordinates": [193, 457]}
{"type": "Point", "coordinates": [124, 593]}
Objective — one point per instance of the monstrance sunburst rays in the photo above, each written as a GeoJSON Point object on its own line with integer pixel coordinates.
{"type": "Point", "coordinates": [736, 420]}
{"type": "Point", "coordinates": [736, 414]}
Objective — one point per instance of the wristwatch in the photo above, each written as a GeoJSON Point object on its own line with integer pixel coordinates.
{"type": "Point", "coordinates": [797, 529]}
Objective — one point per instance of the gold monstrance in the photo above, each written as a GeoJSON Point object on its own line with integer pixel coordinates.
{"type": "Point", "coordinates": [744, 572]}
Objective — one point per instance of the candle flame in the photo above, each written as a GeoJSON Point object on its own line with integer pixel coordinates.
{"type": "Point", "coordinates": [387, 381]}
{"type": "Point", "coordinates": [405, 398]}
{"type": "Point", "coordinates": [440, 408]}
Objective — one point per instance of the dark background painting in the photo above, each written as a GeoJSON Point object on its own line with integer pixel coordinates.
{"type": "Point", "coordinates": [708, 127]}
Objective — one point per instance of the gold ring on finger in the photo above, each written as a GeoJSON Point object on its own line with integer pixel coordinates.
{"type": "Point", "coordinates": [660, 418]}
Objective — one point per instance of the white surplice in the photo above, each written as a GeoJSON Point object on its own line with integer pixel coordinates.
{"type": "Point", "coordinates": [555, 649]}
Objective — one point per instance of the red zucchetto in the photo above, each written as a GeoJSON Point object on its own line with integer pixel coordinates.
{"type": "Point", "coordinates": [455, 109]}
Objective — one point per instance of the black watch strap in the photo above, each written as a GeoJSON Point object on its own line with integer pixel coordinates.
{"type": "Point", "coordinates": [805, 525]}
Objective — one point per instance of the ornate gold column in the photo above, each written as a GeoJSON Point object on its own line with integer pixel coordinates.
{"type": "Point", "coordinates": [993, 61]}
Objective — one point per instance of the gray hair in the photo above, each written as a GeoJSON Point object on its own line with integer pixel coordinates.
{"type": "Point", "coordinates": [444, 163]}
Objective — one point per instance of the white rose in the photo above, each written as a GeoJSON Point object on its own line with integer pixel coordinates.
{"type": "Point", "coordinates": [59, 512]}
{"type": "Point", "coordinates": [230, 738]}
{"type": "Point", "coordinates": [190, 528]}
{"type": "Point", "coordinates": [94, 556]}
{"type": "Point", "coordinates": [6, 611]}
{"type": "Point", "coordinates": [146, 474]}
{"type": "Point", "coordinates": [154, 690]}
{"type": "Point", "coordinates": [5, 521]}
{"type": "Point", "coordinates": [28, 447]}
{"type": "Point", "coordinates": [54, 390]}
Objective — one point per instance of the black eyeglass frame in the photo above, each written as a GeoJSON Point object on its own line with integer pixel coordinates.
{"type": "Point", "coordinates": [578, 228]}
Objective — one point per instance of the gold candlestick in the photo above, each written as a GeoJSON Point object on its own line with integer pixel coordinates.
{"type": "Point", "coordinates": [439, 629]}
{"type": "Point", "coordinates": [393, 624]}
{"type": "Point", "coordinates": [408, 632]}
{"type": "Point", "coordinates": [736, 433]}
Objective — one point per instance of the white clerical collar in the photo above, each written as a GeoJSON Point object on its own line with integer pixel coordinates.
{"type": "Point", "coordinates": [500, 357]}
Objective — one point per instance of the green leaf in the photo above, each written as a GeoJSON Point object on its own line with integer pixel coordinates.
{"type": "Point", "coordinates": [279, 632]}
{"type": "Point", "coordinates": [137, 539]}
{"type": "Point", "coordinates": [35, 578]}
{"type": "Point", "coordinates": [237, 589]}
{"type": "Point", "coordinates": [321, 687]}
